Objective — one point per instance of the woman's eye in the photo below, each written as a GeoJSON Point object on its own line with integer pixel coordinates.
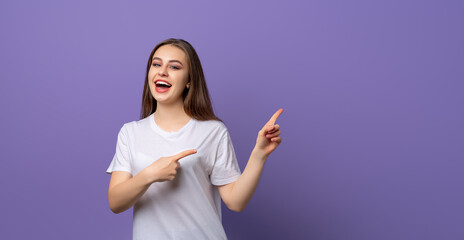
{"type": "Point", "coordinates": [157, 64]}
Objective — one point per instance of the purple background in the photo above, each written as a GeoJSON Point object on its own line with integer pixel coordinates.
{"type": "Point", "coordinates": [372, 126]}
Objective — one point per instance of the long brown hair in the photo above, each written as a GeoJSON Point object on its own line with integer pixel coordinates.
{"type": "Point", "coordinates": [197, 103]}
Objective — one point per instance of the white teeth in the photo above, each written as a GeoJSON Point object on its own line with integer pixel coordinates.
{"type": "Point", "coordinates": [162, 83]}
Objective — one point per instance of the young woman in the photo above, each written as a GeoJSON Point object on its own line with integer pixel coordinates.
{"type": "Point", "coordinates": [177, 162]}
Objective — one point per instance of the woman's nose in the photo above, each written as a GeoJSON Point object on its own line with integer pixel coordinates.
{"type": "Point", "coordinates": [163, 71]}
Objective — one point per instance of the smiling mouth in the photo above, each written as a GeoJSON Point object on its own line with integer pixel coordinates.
{"type": "Point", "coordinates": [161, 88]}
{"type": "Point", "coordinates": [161, 84]}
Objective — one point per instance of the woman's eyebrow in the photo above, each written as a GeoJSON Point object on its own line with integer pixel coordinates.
{"type": "Point", "coordinates": [157, 58]}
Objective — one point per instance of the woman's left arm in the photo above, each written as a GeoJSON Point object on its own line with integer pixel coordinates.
{"type": "Point", "coordinates": [236, 195]}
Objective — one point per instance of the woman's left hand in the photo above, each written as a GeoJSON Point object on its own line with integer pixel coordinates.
{"type": "Point", "coordinates": [268, 138]}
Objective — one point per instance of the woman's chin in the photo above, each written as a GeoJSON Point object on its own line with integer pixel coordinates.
{"type": "Point", "coordinates": [166, 99]}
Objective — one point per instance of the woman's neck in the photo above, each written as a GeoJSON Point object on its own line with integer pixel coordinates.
{"type": "Point", "coordinates": [172, 113]}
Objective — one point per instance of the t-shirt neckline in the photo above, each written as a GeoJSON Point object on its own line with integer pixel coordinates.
{"type": "Point", "coordinates": [166, 133]}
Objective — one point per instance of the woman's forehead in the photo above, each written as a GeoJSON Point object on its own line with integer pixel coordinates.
{"type": "Point", "coordinates": [168, 52]}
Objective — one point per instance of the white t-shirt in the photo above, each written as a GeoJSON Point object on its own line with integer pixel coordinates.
{"type": "Point", "coordinates": [189, 207]}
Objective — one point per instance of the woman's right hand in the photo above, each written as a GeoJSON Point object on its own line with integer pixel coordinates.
{"type": "Point", "coordinates": [165, 168]}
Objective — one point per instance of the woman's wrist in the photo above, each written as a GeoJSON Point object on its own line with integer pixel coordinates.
{"type": "Point", "coordinates": [258, 154]}
{"type": "Point", "coordinates": [148, 176]}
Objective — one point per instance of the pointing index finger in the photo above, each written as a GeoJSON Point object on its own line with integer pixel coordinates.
{"type": "Point", "coordinates": [178, 156]}
{"type": "Point", "coordinates": [275, 116]}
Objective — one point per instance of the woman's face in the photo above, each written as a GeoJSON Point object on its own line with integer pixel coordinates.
{"type": "Point", "coordinates": [170, 65]}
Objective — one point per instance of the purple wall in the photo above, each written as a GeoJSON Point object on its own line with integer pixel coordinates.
{"type": "Point", "coordinates": [372, 127]}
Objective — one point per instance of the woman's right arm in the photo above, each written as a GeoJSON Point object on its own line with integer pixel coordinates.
{"type": "Point", "coordinates": [125, 190]}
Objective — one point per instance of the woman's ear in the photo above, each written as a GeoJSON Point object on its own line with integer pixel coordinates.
{"type": "Point", "coordinates": [188, 84]}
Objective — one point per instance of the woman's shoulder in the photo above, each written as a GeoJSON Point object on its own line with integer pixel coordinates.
{"type": "Point", "coordinates": [134, 124]}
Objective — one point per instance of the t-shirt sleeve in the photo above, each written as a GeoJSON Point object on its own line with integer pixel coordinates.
{"type": "Point", "coordinates": [121, 159]}
{"type": "Point", "coordinates": [225, 169]}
